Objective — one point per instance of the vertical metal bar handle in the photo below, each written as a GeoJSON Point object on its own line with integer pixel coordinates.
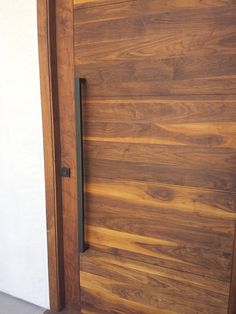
{"type": "Point", "coordinates": [80, 165]}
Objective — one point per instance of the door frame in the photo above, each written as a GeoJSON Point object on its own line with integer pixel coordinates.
{"type": "Point", "coordinates": [47, 42]}
{"type": "Point", "coordinates": [46, 18]}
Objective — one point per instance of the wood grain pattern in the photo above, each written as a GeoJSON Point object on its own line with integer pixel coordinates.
{"type": "Point", "coordinates": [201, 134]}
{"type": "Point", "coordinates": [160, 153]}
{"type": "Point", "coordinates": [154, 40]}
{"type": "Point", "coordinates": [181, 228]}
{"type": "Point", "coordinates": [65, 55]}
{"type": "Point", "coordinates": [124, 6]}
{"type": "Point", "coordinates": [114, 278]}
{"type": "Point", "coordinates": [49, 99]}
{"type": "Point", "coordinates": [159, 110]}
{"type": "Point", "coordinates": [216, 158]}
{"type": "Point", "coordinates": [171, 254]}
{"type": "Point", "coordinates": [215, 180]}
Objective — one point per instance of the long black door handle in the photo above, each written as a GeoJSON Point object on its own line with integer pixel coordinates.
{"type": "Point", "coordinates": [80, 163]}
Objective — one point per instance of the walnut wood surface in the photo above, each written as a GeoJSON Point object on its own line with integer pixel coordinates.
{"type": "Point", "coordinates": [49, 98]}
{"type": "Point", "coordinates": [65, 55]}
{"type": "Point", "coordinates": [130, 286]}
{"type": "Point", "coordinates": [160, 155]}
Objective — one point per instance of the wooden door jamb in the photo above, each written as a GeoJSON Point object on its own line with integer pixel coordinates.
{"type": "Point", "coordinates": [46, 14]}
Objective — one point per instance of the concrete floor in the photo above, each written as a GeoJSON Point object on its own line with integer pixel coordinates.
{"type": "Point", "coordinates": [10, 305]}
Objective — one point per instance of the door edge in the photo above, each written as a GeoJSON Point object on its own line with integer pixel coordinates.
{"type": "Point", "coordinates": [46, 20]}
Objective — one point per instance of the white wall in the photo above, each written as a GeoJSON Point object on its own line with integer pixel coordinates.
{"type": "Point", "coordinates": [23, 248]}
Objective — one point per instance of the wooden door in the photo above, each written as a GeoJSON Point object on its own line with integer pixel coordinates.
{"type": "Point", "coordinates": [160, 154]}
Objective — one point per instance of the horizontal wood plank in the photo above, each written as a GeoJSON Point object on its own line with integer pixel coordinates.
{"type": "Point", "coordinates": [164, 174]}
{"type": "Point", "coordinates": [144, 285]}
{"type": "Point", "coordinates": [112, 9]}
{"type": "Point", "coordinates": [160, 110]}
{"type": "Point", "coordinates": [199, 134]}
{"type": "Point", "coordinates": [200, 201]}
{"type": "Point", "coordinates": [212, 226]}
{"type": "Point", "coordinates": [166, 45]}
{"type": "Point", "coordinates": [191, 157]}
{"type": "Point", "coordinates": [170, 78]}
